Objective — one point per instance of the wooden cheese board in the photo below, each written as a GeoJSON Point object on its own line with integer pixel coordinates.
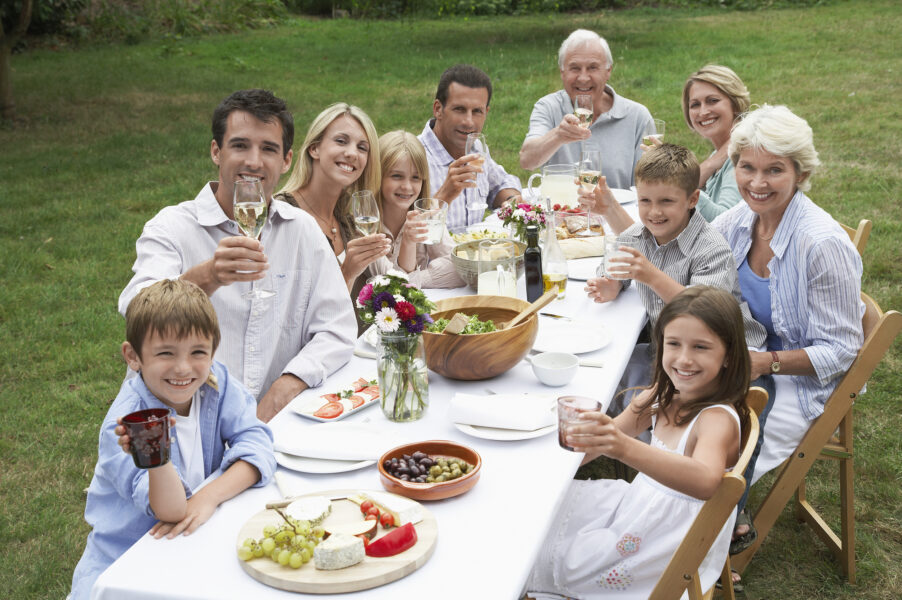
{"type": "Point", "coordinates": [371, 572]}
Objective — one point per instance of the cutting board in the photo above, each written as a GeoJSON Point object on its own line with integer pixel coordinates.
{"type": "Point", "coordinates": [371, 572]}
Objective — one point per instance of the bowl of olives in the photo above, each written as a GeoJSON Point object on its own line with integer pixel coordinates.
{"type": "Point", "coordinates": [431, 470]}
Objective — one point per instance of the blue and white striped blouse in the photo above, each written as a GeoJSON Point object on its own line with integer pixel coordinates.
{"type": "Point", "coordinates": [815, 290]}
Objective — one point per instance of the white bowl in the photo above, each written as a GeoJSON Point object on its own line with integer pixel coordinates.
{"type": "Point", "coordinates": [555, 368]}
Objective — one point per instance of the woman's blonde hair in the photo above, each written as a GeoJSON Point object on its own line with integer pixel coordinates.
{"type": "Point", "coordinates": [395, 145]}
{"type": "Point", "coordinates": [779, 131]}
{"type": "Point", "coordinates": [371, 177]}
{"type": "Point", "coordinates": [725, 80]}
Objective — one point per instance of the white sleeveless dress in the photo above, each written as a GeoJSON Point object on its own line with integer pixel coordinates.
{"type": "Point", "coordinates": [613, 539]}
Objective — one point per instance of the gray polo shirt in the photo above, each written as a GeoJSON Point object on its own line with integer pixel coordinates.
{"type": "Point", "coordinates": [617, 133]}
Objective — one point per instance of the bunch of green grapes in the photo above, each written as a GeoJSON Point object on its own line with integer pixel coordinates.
{"type": "Point", "coordinates": [290, 544]}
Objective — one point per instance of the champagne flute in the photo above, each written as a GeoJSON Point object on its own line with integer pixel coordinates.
{"type": "Point", "coordinates": [584, 110]}
{"type": "Point", "coordinates": [249, 208]}
{"type": "Point", "coordinates": [654, 129]}
{"type": "Point", "coordinates": [366, 212]}
{"type": "Point", "coordinates": [476, 145]}
{"type": "Point", "coordinates": [589, 172]}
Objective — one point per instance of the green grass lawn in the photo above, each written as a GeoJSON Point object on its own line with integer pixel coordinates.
{"type": "Point", "coordinates": [111, 134]}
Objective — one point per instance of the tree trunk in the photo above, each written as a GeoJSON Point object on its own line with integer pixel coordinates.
{"type": "Point", "coordinates": [7, 42]}
{"type": "Point", "coordinates": [7, 103]}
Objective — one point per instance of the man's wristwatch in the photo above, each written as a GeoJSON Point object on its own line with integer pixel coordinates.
{"type": "Point", "coordinates": [775, 366]}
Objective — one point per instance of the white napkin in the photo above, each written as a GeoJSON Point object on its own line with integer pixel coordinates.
{"type": "Point", "coordinates": [333, 441]}
{"type": "Point", "coordinates": [526, 412]}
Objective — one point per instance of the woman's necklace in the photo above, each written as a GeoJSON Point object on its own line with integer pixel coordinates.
{"type": "Point", "coordinates": [330, 224]}
{"type": "Point", "coordinates": [758, 233]}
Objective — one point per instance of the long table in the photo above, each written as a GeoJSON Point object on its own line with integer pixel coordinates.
{"type": "Point", "coordinates": [488, 538]}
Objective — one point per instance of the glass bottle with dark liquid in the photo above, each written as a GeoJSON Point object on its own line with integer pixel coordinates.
{"type": "Point", "coordinates": [532, 259]}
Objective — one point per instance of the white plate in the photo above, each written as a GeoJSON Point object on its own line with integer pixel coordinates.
{"type": "Point", "coordinates": [624, 196]}
{"type": "Point", "coordinates": [582, 269]}
{"type": "Point", "coordinates": [310, 400]}
{"type": "Point", "coordinates": [371, 336]}
{"type": "Point", "coordinates": [306, 464]}
{"type": "Point", "coordinates": [504, 435]}
{"type": "Point", "coordinates": [576, 336]}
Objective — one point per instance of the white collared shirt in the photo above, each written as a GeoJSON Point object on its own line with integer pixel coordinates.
{"type": "Point", "coordinates": [307, 329]}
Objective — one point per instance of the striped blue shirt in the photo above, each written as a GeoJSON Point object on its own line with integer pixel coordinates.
{"type": "Point", "coordinates": [492, 180]}
{"type": "Point", "coordinates": [815, 291]}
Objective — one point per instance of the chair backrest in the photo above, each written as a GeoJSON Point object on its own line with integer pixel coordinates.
{"type": "Point", "coordinates": [860, 235]}
{"type": "Point", "coordinates": [684, 564]}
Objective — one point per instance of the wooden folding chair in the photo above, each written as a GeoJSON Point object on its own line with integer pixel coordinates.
{"type": "Point", "coordinates": [859, 236]}
{"type": "Point", "coordinates": [682, 570]}
{"type": "Point", "coordinates": [880, 330]}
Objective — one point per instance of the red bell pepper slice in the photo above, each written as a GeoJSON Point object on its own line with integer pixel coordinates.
{"type": "Point", "coordinates": [393, 542]}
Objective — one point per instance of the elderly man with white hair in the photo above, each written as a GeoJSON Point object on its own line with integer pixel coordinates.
{"type": "Point", "coordinates": [617, 125]}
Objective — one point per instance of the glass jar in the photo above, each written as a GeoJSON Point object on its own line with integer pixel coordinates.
{"type": "Point", "coordinates": [403, 382]}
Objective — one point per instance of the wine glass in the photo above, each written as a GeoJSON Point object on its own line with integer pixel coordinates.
{"type": "Point", "coordinates": [584, 110]}
{"type": "Point", "coordinates": [589, 172]}
{"type": "Point", "coordinates": [476, 145]}
{"type": "Point", "coordinates": [654, 129]}
{"type": "Point", "coordinates": [249, 209]}
{"type": "Point", "coordinates": [365, 211]}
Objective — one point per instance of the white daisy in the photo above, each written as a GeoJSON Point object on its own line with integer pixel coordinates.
{"type": "Point", "coordinates": [400, 298]}
{"type": "Point", "coordinates": [387, 320]}
{"type": "Point", "coordinates": [398, 274]}
{"type": "Point", "coordinates": [379, 280]}
{"type": "Point", "coordinates": [520, 213]}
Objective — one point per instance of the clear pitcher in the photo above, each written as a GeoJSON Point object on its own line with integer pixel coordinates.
{"type": "Point", "coordinates": [558, 185]}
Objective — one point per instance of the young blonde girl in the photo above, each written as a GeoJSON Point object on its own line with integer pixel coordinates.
{"type": "Point", "coordinates": [339, 156]}
{"type": "Point", "coordinates": [405, 176]}
{"type": "Point", "coordinates": [613, 539]}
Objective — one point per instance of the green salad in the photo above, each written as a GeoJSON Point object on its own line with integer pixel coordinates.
{"type": "Point", "coordinates": [474, 325]}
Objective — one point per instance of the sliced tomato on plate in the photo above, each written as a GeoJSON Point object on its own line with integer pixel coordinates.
{"type": "Point", "coordinates": [360, 384]}
{"type": "Point", "coordinates": [372, 390]}
{"type": "Point", "coordinates": [331, 397]}
{"type": "Point", "coordinates": [330, 410]}
{"type": "Point", "coordinates": [357, 400]}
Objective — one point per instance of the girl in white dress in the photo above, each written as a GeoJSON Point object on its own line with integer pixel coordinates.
{"type": "Point", "coordinates": [614, 539]}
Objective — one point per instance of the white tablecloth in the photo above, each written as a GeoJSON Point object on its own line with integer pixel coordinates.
{"type": "Point", "coordinates": [488, 538]}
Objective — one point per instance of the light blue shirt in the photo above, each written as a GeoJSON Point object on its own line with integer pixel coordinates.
{"type": "Point", "coordinates": [118, 506]}
{"type": "Point", "coordinates": [492, 180]}
{"type": "Point", "coordinates": [720, 194]}
{"type": "Point", "coordinates": [815, 291]}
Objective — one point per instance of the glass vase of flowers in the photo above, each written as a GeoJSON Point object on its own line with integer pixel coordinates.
{"type": "Point", "coordinates": [400, 310]}
{"type": "Point", "coordinates": [518, 216]}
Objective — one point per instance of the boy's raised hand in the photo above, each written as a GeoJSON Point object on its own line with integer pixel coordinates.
{"type": "Point", "coordinates": [602, 289]}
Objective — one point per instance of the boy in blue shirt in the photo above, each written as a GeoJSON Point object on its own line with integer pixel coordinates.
{"type": "Point", "coordinates": [172, 333]}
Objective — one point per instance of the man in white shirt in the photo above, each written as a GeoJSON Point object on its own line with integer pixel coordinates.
{"type": "Point", "coordinates": [277, 346]}
{"type": "Point", "coordinates": [616, 126]}
{"type": "Point", "coordinates": [461, 106]}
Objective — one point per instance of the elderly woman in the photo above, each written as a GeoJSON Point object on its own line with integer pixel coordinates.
{"type": "Point", "coordinates": [800, 275]}
{"type": "Point", "coordinates": [339, 156]}
{"type": "Point", "coordinates": [713, 99]}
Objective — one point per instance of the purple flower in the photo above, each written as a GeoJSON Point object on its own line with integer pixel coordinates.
{"type": "Point", "coordinates": [383, 300]}
{"type": "Point", "coordinates": [428, 318]}
{"type": "Point", "coordinates": [415, 325]}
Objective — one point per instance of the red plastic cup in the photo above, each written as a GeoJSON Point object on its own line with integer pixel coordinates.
{"type": "Point", "coordinates": [148, 431]}
{"type": "Point", "coordinates": [569, 412]}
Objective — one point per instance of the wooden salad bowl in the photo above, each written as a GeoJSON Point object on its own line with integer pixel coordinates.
{"type": "Point", "coordinates": [484, 355]}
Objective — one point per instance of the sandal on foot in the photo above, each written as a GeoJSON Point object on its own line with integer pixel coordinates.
{"type": "Point", "coordinates": [742, 542]}
{"type": "Point", "coordinates": [737, 585]}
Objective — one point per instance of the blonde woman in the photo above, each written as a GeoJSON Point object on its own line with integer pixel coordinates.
{"type": "Point", "coordinates": [339, 156]}
{"type": "Point", "coordinates": [405, 175]}
{"type": "Point", "coordinates": [713, 100]}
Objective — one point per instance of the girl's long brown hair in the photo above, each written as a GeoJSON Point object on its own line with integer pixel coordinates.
{"type": "Point", "coordinates": [720, 312]}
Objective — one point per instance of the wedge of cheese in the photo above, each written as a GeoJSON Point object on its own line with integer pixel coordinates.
{"type": "Point", "coordinates": [338, 551]}
{"type": "Point", "coordinates": [312, 508]}
{"type": "Point", "coordinates": [402, 510]}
